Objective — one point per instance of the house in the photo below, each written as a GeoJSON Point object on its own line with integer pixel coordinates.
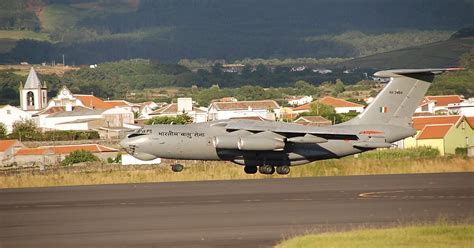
{"type": "Point", "coordinates": [465, 107]}
{"type": "Point", "coordinates": [183, 106]}
{"type": "Point", "coordinates": [132, 107]}
{"type": "Point", "coordinates": [56, 154]}
{"type": "Point", "coordinates": [267, 109]}
{"type": "Point", "coordinates": [146, 108]}
{"type": "Point", "coordinates": [81, 118]}
{"type": "Point", "coordinates": [446, 133]}
{"type": "Point", "coordinates": [8, 149]}
{"type": "Point", "coordinates": [317, 121]}
{"type": "Point", "coordinates": [299, 100]}
{"type": "Point", "coordinates": [341, 106]}
{"type": "Point", "coordinates": [10, 115]}
{"type": "Point", "coordinates": [438, 104]}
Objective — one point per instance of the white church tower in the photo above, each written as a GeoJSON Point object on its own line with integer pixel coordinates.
{"type": "Point", "coordinates": [34, 95]}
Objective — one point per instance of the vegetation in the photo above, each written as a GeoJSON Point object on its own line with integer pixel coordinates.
{"type": "Point", "coordinates": [174, 120]}
{"type": "Point", "coordinates": [79, 157]}
{"type": "Point", "coordinates": [26, 130]}
{"type": "Point", "coordinates": [3, 131]}
{"type": "Point", "coordinates": [441, 234]}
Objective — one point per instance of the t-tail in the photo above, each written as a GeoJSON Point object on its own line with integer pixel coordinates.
{"type": "Point", "coordinates": [397, 102]}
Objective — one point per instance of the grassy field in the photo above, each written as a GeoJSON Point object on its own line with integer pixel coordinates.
{"type": "Point", "coordinates": [437, 235]}
{"type": "Point", "coordinates": [102, 173]}
{"type": "Point", "coordinates": [17, 35]}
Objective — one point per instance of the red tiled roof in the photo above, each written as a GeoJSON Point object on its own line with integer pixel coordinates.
{"type": "Point", "coordinates": [313, 119]}
{"type": "Point", "coordinates": [420, 122]}
{"type": "Point", "coordinates": [44, 150]}
{"type": "Point", "coordinates": [5, 144]}
{"type": "Point", "coordinates": [444, 100]}
{"type": "Point", "coordinates": [434, 131]}
{"type": "Point", "coordinates": [52, 110]}
{"type": "Point", "coordinates": [336, 102]}
{"type": "Point", "coordinates": [470, 121]}
{"type": "Point", "coordinates": [264, 104]}
{"type": "Point", "coordinates": [115, 103]}
{"type": "Point", "coordinates": [93, 102]}
{"type": "Point", "coordinates": [306, 106]}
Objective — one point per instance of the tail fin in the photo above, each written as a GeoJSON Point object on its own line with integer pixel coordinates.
{"type": "Point", "coordinates": [397, 102]}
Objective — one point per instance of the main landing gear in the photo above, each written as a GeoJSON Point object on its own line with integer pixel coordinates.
{"type": "Point", "coordinates": [268, 169]}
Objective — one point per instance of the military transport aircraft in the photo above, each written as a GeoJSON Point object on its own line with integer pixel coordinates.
{"type": "Point", "coordinates": [268, 146]}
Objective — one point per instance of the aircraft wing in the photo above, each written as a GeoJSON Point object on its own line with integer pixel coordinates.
{"type": "Point", "coordinates": [290, 130]}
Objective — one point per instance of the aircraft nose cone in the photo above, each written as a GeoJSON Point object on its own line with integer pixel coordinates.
{"type": "Point", "coordinates": [125, 144]}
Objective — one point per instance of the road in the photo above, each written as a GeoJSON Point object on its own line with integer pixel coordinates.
{"type": "Point", "coordinates": [242, 213]}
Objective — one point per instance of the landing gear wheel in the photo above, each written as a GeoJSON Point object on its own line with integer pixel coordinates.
{"type": "Point", "coordinates": [283, 170]}
{"type": "Point", "coordinates": [177, 167]}
{"type": "Point", "coordinates": [250, 169]}
{"type": "Point", "coordinates": [266, 169]}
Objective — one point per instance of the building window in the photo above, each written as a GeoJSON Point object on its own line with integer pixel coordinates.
{"type": "Point", "coordinates": [9, 112]}
{"type": "Point", "coordinates": [30, 98]}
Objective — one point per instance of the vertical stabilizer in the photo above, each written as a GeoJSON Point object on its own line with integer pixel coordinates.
{"type": "Point", "coordinates": [397, 102]}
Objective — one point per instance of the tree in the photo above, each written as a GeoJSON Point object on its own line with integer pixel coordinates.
{"type": "Point", "coordinates": [79, 157]}
{"type": "Point", "coordinates": [338, 88]}
{"type": "Point", "coordinates": [25, 129]}
{"type": "Point", "coordinates": [3, 131]}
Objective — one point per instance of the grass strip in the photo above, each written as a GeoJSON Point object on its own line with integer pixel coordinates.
{"type": "Point", "coordinates": [437, 235]}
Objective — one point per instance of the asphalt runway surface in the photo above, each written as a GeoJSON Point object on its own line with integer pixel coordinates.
{"type": "Point", "coordinates": [242, 213]}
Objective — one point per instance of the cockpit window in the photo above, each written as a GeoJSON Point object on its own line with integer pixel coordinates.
{"type": "Point", "coordinates": [139, 132]}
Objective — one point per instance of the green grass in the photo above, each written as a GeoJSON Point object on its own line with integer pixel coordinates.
{"type": "Point", "coordinates": [17, 35]}
{"type": "Point", "coordinates": [438, 235]}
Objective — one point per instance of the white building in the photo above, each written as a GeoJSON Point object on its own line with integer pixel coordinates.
{"type": "Point", "coordinates": [342, 106]}
{"type": "Point", "coordinates": [184, 106]}
{"type": "Point", "coordinates": [299, 100]}
{"type": "Point", "coordinates": [10, 114]}
{"type": "Point", "coordinates": [267, 109]}
{"type": "Point", "coordinates": [438, 104]}
{"type": "Point", "coordinates": [465, 107]}
{"type": "Point", "coordinates": [33, 95]}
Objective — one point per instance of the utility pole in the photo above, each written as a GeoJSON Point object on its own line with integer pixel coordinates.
{"type": "Point", "coordinates": [63, 60]}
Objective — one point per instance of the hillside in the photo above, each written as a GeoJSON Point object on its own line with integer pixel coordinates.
{"type": "Point", "coordinates": [438, 54]}
{"type": "Point", "coordinates": [94, 31]}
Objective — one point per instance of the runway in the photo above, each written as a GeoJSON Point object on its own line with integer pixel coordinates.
{"type": "Point", "coordinates": [243, 213]}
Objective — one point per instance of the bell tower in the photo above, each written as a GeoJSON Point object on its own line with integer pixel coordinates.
{"type": "Point", "coordinates": [33, 95]}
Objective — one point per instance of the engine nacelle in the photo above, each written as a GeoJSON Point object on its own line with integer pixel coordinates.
{"type": "Point", "coordinates": [260, 144]}
{"type": "Point", "coordinates": [226, 142]}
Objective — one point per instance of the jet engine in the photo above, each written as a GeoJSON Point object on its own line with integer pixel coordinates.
{"type": "Point", "coordinates": [226, 142]}
{"type": "Point", "coordinates": [260, 144]}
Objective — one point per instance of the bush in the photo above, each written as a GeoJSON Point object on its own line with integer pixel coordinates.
{"type": "Point", "coordinates": [3, 131]}
{"type": "Point", "coordinates": [79, 157]}
{"type": "Point", "coordinates": [462, 151]}
{"type": "Point", "coordinates": [415, 153]}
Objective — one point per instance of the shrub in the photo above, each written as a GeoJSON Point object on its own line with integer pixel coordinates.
{"type": "Point", "coordinates": [78, 157]}
{"type": "Point", "coordinates": [3, 131]}
{"type": "Point", "coordinates": [462, 151]}
{"type": "Point", "coordinates": [415, 153]}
